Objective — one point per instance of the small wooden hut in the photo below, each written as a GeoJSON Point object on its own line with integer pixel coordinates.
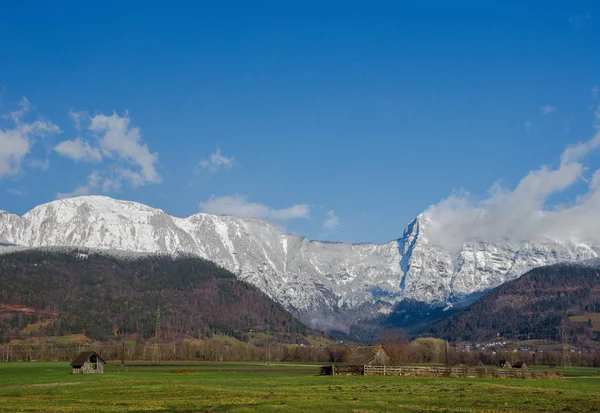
{"type": "Point", "coordinates": [370, 356]}
{"type": "Point", "coordinates": [504, 364]}
{"type": "Point", "coordinates": [520, 365]}
{"type": "Point", "coordinates": [88, 362]}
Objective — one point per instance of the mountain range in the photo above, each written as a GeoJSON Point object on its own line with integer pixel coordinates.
{"type": "Point", "coordinates": [327, 285]}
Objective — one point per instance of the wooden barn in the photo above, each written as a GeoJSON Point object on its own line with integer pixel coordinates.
{"type": "Point", "coordinates": [88, 362]}
{"type": "Point", "coordinates": [370, 356]}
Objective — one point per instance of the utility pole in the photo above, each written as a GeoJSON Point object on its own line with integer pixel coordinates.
{"type": "Point", "coordinates": [445, 353]}
{"type": "Point", "coordinates": [267, 355]}
{"type": "Point", "coordinates": [122, 354]}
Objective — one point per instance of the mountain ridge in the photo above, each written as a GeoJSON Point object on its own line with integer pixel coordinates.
{"type": "Point", "coordinates": [328, 285]}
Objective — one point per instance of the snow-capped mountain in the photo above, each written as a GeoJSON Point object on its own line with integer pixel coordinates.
{"type": "Point", "coordinates": [329, 285]}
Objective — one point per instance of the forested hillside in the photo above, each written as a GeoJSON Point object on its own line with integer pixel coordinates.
{"type": "Point", "coordinates": [106, 298]}
{"type": "Point", "coordinates": [532, 307]}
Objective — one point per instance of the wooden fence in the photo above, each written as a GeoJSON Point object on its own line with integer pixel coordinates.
{"type": "Point", "coordinates": [480, 372]}
{"type": "Point", "coordinates": [342, 370]}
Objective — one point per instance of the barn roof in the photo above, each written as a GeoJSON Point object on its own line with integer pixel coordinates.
{"type": "Point", "coordinates": [366, 353]}
{"type": "Point", "coordinates": [83, 357]}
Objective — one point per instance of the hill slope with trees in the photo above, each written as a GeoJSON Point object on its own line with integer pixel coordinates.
{"type": "Point", "coordinates": [56, 293]}
{"type": "Point", "coordinates": [533, 307]}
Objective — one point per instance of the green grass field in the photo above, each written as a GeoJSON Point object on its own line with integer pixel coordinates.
{"type": "Point", "coordinates": [594, 317]}
{"type": "Point", "coordinates": [49, 387]}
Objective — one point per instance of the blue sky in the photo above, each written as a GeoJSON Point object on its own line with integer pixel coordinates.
{"type": "Point", "coordinates": [337, 121]}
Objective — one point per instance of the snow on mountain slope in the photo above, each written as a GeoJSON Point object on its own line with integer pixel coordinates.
{"type": "Point", "coordinates": [329, 285]}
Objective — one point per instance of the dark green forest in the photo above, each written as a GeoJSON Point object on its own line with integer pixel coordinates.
{"type": "Point", "coordinates": [531, 307]}
{"type": "Point", "coordinates": [105, 297]}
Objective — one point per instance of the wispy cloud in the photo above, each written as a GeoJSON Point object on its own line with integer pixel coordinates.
{"type": "Point", "coordinates": [78, 118]}
{"type": "Point", "coordinates": [548, 110]}
{"type": "Point", "coordinates": [78, 150]}
{"type": "Point", "coordinates": [332, 222]}
{"type": "Point", "coordinates": [92, 185]}
{"type": "Point", "coordinates": [17, 191]}
{"type": "Point", "coordinates": [239, 206]}
{"type": "Point", "coordinates": [528, 126]}
{"type": "Point", "coordinates": [18, 136]}
{"type": "Point", "coordinates": [37, 163]}
{"type": "Point", "coordinates": [596, 91]}
{"type": "Point", "coordinates": [579, 20]}
{"type": "Point", "coordinates": [568, 124]}
{"type": "Point", "coordinates": [217, 162]}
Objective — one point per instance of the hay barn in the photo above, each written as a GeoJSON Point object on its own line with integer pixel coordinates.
{"type": "Point", "coordinates": [88, 362]}
{"type": "Point", "coordinates": [370, 356]}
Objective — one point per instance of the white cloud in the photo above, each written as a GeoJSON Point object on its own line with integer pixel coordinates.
{"type": "Point", "coordinates": [105, 181]}
{"type": "Point", "coordinates": [528, 126]}
{"type": "Point", "coordinates": [92, 185]}
{"type": "Point", "coordinates": [79, 150]}
{"type": "Point", "coordinates": [111, 185]}
{"type": "Point", "coordinates": [239, 206]}
{"type": "Point", "coordinates": [595, 182]}
{"type": "Point", "coordinates": [115, 143]}
{"type": "Point", "coordinates": [332, 221]}
{"type": "Point", "coordinates": [134, 178]}
{"type": "Point", "coordinates": [596, 91]}
{"type": "Point", "coordinates": [117, 138]}
{"type": "Point", "coordinates": [216, 162]}
{"type": "Point", "coordinates": [521, 214]}
{"type": "Point", "coordinates": [574, 153]}
{"type": "Point", "coordinates": [16, 140]}
{"type": "Point", "coordinates": [293, 212]}
{"type": "Point", "coordinates": [548, 110]}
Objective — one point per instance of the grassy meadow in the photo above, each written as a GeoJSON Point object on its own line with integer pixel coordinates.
{"type": "Point", "coordinates": [225, 387]}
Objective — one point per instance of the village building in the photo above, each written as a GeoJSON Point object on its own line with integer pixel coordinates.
{"type": "Point", "coordinates": [504, 364]}
{"type": "Point", "coordinates": [88, 362]}
{"type": "Point", "coordinates": [370, 356]}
